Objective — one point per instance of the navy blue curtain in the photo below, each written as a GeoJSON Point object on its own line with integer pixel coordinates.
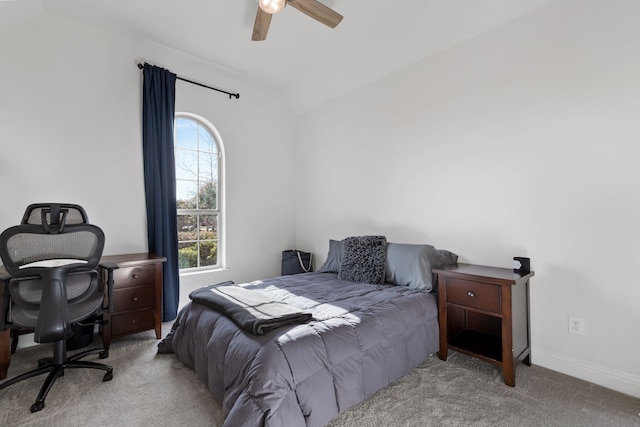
{"type": "Point", "coordinates": [158, 113]}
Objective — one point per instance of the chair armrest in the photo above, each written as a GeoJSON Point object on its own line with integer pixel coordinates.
{"type": "Point", "coordinates": [110, 267]}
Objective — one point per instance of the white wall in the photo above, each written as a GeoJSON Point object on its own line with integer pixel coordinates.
{"type": "Point", "coordinates": [70, 130]}
{"type": "Point", "coordinates": [521, 142]}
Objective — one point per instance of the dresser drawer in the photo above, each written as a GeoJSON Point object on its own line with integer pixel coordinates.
{"type": "Point", "coordinates": [134, 298]}
{"type": "Point", "coordinates": [132, 322]}
{"type": "Point", "coordinates": [134, 276]}
{"type": "Point", "coordinates": [481, 296]}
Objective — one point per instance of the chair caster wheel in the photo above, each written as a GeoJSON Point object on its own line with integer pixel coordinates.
{"type": "Point", "coordinates": [108, 376]}
{"type": "Point", "coordinates": [104, 354]}
{"type": "Point", "coordinates": [37, 406]}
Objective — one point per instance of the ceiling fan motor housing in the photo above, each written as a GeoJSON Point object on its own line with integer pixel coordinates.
{"type": "Point", "coordinates": [312, 8]}
{"type": "Point", "coordinates": [272, 6]}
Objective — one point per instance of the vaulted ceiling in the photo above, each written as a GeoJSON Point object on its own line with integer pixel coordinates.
{"type": "Point", "coordinates": [306, 61]}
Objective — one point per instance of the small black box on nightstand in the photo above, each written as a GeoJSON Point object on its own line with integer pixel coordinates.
{"type": "Point", "coordinates": [521, 265]}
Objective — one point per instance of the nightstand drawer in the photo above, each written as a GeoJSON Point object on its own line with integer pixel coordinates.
{"type": "Point", "coordinates": [134, 298]}
{"type": "Point", "coordinates": [480, 296]}
{"type": "Point", "coordinates": [134, 276]}
{"type": "Point", "coordinates": [132, 322]}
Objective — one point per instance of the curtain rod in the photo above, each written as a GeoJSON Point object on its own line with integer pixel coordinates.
{"type": "Point", "coordinates": [237, 95]}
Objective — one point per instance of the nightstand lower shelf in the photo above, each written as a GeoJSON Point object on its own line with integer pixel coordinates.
{"type": "Point", "coordinates": [483, 346]}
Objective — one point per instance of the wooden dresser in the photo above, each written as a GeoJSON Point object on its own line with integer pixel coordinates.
{"type": "Point", "coordinates": [136, 297]}
{"type": "Point", "coordinates": [484, 313]}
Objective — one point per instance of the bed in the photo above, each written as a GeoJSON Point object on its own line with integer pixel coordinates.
{"type": "Point", "coordinates": [361, 338]}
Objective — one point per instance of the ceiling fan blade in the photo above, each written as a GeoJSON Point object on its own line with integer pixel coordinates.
{"type": "Point", "coordinates": [317, 11]}
{"type": "Point", "coordinates": [261, 26]}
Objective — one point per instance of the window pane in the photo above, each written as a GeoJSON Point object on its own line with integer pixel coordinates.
{"type": "Point", "coordinates": [208, 196]}
{"type": "Point", "coordinates": [186, 194]}
{"type": "Point", "coordinates": [187, 228]}
{"type": "Point", "coordinates": [187, 255]}
{"type": "Point", "coordinates": [206, 141]}
{"type": "Point", "coordinates": [208, 243]}
{"type": "Point", "coordinates": [186, 164]}
{"type": "Point", "coordinates": [208, 167]}
{"type": "Point", "coordinates": [186, 133]}
{"type": "Point", "coordinates": [208, 227]}
{"type": "Point", "coordinates": [208, 253]}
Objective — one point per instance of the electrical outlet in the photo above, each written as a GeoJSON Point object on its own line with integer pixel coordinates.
{"type": "Point", "coordinates": [576, 325]}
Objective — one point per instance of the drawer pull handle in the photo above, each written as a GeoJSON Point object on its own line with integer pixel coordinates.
{"type": "Point", "coordinates": [471, 294]}
{"type": "Point", "coordinates": [134, 276]}
{"type": "Point", "coordinates": [134, 299]}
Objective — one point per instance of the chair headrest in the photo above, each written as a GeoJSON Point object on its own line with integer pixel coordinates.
{"type": "Point", "coordinates": [54, 216]}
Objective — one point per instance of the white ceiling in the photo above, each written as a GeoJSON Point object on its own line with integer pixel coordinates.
{"type": "Point", "coordinates": [308, 62]}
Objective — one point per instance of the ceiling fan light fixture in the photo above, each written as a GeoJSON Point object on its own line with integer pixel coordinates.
{"type": "Point", "coordinates": [272, 6]}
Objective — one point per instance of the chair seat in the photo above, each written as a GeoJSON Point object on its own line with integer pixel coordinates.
{"type": "Point", "coordinates": [27, 318]}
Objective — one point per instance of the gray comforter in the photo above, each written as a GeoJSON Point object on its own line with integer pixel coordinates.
{"type": "Point", "coordinates": [362, 338]}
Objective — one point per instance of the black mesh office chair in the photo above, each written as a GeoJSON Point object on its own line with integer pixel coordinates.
{"type": "Point", "coordinates": [53, 284]}
{"type": "Point", "coordinates": [75, 214]}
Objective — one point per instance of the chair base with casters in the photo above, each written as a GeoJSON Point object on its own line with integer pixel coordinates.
{"type": "Point", "coordinates": [56, 366]}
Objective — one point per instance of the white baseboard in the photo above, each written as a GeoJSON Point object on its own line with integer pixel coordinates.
{"type": "Point", "coordinates": [610, 378]}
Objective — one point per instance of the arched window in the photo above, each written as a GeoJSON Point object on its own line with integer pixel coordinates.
{"type": "Point", "coordinates": [199, 159]}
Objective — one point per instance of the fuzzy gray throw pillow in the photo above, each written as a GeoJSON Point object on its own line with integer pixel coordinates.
{"type": "Point", "coordinates": [363, 259]}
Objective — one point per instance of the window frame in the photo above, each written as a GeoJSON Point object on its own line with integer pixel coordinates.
{"type": "Point", "coordinates": [219, 212]}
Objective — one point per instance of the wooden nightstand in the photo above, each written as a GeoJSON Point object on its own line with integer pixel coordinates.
{"type": "Point", "coordinates": [484, 313]}
{"type": "Point", "coordinates": [136, 297]}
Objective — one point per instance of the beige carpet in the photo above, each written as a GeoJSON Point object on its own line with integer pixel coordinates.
{"type": "Point", "coordinates": [157, 390]}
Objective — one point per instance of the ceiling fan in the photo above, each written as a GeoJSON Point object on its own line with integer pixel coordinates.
{"type": "Point", "coordinates": [312, 8]}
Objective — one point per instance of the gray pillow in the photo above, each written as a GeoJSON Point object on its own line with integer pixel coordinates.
{"type": "Point", "coordinates": [334, 258]}
{"type": "Point", "coordinates": [411, 265]}
{"type": "Point", "coordinates": [363, 259]}
{"type": "Point", "coordinates": [448, 258]}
